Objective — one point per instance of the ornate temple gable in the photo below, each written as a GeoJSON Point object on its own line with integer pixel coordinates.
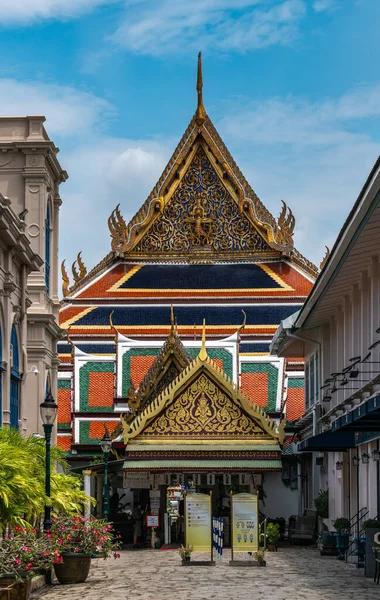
{"type": "Point", "coordinates": [202, 402]}
{"type": "Point", "coordinates": [203, 410]}
{"type": "Point", "coordinates": [201, 218]}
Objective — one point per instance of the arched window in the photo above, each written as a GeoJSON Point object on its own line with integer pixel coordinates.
{"type": "Point", "coordinates": [47, 249]}
{"type": "Point", "coordinates": [15, 379]}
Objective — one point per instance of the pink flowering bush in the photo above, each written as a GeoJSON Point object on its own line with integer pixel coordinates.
{"type": "Point", "coordinates": [22, 553]}
{"type": "Point", "coordinates": [81, 535]}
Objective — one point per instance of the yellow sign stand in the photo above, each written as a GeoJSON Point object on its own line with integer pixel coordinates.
{"type": "Point", "coordinates": [198, 525]}
{"type": "Point", "coordinates": [244, 524]}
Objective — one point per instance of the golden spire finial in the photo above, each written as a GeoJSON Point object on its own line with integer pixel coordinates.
{"type": "Point", "coordinates": [203, 352]}
{"type": "Point", "coordinates": [200, 114]}
{"type": "Point", "coordinates": [172, 321]}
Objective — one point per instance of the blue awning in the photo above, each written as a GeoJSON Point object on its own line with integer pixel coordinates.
{"type": "Point", "coordinates": [365, 417]}
{"type": "Point", "coordinates": [328, 441]}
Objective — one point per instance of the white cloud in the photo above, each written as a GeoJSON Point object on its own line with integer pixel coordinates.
{"type": "Point", "coordinates": [104, 173]}
{"type": "Point", "coordinates": [69, 111]}
{"type": "Point", "coordinates": [238, 25]}
{"type": "Point", "coordinates": [325, 5]}
{"type": "Point", "coordinates": [315, 156]}
{"type": "Point", "coordinates": [294, 121]}
{"type": "Point", "coordinates": [28, 11]}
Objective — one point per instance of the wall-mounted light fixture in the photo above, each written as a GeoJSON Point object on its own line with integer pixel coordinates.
{"type": "Point", "coordinates": [326, 398]}
{"type": "Point", "coordinates": [355, 461]}
{"type": "Point", "coordinates": [365, 458]}
{"type": "Point", "coordinates": [376, 455]}
{"type": "Point", "coordinates": [339, 465]}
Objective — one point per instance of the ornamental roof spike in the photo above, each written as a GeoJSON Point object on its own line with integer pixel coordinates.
{"type": "Point", "coordinates": [200, 113]}
{"type": "Point", "coordinates": [66, 280]}
{"type": "Point", "coordinates": [113, 328]}
{"type": "Point", "coordinates": [325, 258]}
{"type": "Point", "coordinates": [203, 352]}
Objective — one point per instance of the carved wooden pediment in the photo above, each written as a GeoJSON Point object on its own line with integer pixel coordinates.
{"type": "Point", "coordinates": [203, 410]}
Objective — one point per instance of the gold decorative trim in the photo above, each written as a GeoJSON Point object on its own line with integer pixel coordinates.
{"type": "Point", "coordinates": [254, 354]}
{"type": "Point", "coordinates": [275, 278]}
{"type": "Point", "coordinates": [131, 272]}
{"type": "Point", "coordinates": [80, 315]}
{"type": "Point", "coordinates": [132, 444]}
{"type": "Point", "coordinates": [161, 327]}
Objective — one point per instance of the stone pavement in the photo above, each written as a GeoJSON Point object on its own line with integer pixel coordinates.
{"type": "Point", "coordinates": [295, 573]}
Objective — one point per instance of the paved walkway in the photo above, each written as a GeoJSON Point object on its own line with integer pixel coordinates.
{"type": "Point", "coordinates": [291, 574]}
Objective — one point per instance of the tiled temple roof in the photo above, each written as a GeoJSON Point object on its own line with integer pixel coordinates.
{"type": "Point", "coordinates": [269, 314]}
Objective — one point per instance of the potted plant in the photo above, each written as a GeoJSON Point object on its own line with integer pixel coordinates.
{"type": "Point", "coordinates": [272, 536]}
{"type": "Point", "coordinates": [260, 557]}
{"type": "Point", "coordinates": [22, 555]}
{"type": "Point", "coordinates": [78, 539]}
{"type": "Point", "coordinates": [185, 553]}
{"type": "Point", "coordinates": [342, 527]}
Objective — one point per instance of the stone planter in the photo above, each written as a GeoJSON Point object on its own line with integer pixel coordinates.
{"type": "Point", "coordinates": [74, 568]}
{"type": "Point", "coordinates": [13, 589]}
{"type": "Point", "coordinates": [369, 568]}
{"type": "Point", "coordinates": [328, 544]}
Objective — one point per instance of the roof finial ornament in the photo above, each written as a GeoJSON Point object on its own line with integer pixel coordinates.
{"type": "Point", "coordinates": [203, 352]}
{"type": "Point", "coordinates": [200, 114]}
{"type": "Point", "coordinates": [113, 329]}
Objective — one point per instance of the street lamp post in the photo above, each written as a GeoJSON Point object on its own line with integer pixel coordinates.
{"type": "Point", "coordinates": [105, 444]}
{"type": "Point", "coordinates": [48, 410]}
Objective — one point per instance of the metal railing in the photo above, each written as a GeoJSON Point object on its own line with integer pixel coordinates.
{"type": "Point", "coordinates": [357, 532]}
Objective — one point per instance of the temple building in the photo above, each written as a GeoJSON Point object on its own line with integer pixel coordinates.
{"type": "Point", "coordinates": [181, 398]}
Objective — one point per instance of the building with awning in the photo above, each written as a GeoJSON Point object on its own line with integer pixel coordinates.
{"type": "Point", "coordinates": [337, 332]}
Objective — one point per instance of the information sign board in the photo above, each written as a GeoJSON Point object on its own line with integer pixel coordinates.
{"type": "Point", "coordinates": [152, 520]}
{"type": "Point", "coordinates": [244, 514]}
{"type": "Point", "coordinates": [198, 522]}
{"type": "Point", "coordinates": [138, 480]}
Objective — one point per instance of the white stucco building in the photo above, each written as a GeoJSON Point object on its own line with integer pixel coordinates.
{"type": "Point", "coordinates": [30, 175]}
{"type": "Point", "coordinates": [338, 333]}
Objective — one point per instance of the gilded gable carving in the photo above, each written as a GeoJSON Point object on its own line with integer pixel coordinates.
{"type": "Point", "coordinates": [203, 409]}
{"type": "Point", "coordinates": [201, 215]}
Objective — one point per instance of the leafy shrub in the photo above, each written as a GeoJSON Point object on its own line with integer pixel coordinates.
{"type": "Point", "coordinates": [322, 504]}
{"type": "Point", "coordinates": [342, 525]}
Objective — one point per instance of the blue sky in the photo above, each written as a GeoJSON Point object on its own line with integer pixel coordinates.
{"type": "Point", "coordinates": [293, 86]}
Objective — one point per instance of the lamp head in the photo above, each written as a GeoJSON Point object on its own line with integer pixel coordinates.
{"type": "Point", "coordinates": [106, 442]}
{"type": "Point", "coordinates": [48, 410]}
